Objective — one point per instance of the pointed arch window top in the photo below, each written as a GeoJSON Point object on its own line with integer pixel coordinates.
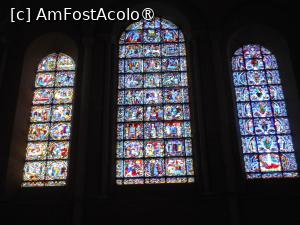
{"type": "Point", "coordinates": [154, 144]}
{"type": "Point", "coordinates": [266, 139]}
{"type": "Point", "coordinates": [155, 31]}
{"type": "Point", "coordinates": [56, 61]}
{"type": "Point", "coordinates": [48, 145]}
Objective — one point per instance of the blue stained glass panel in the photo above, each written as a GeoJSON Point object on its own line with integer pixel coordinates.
{"type": "Point", "coordinates": [171, 64]}
{"type": "Point", "coordinates": [174, 79]}
{"type": "Point", "coordinates": [152, 80]}
{"type": "Point", "coordinates": [249, 144]}
{"type": "Point", "coordinates": [174, 95]}
{"type": "Point", "coordinates": [264, 126]}
{"type": "Point", "coordinates": [238, 63]}
{"type": "Point", "coordinates": [288, 162]}
{"type": "Point", "coordinates": [153, 113]}
{"type": "Point", "coordinates": [251, 163]}
{"type": "Point", "coordinates": [152, 65]}
{"type": "Point", "coordinates": [64, 79]}
{"type": "Point", "coordinates": [151, 36]}
{"type": "Point", "coordinates": [170, 50]}
{"type": "Point", "coordinates": [169, 35]}
{"type": "Point", "coordinates": [256, 78]}
{"type": "Point", "coordinates": [254, 64]}
{"type": "Point", "coordinates": [173, 112]}
{"type": "Point", "coordinates": [282, 125]}
{"type": "Point", "coordinates": [285, 143]}
{"type": "Point", "coordinates": [173, 130]}
{"type": "Point", "coordinates": [133, 36]}
{"type": "Point", "coordinates": [276, 92]}
{"type": "Point", "coordinates": [251, 51]}
{"type": "Point", "coordinates": [270, 62]}
{"type": "Point", "coordinates": [152, 24]}
{"type": "Point", "coordinates": [244, 110]}
{"type": "Point", "coordinates": [188, 147]}
{"type": "Point", "coordinates": [133, 113]}
{"type": "Point", "coordinates": [279, 108]}
{"type": "Point", "coordinates": [154, 168]}
{"type": "Point", "coordinates": [267, 144]}
{"type": "Point", "coordinates": [154, 148]}
{"type": "Point", "coordinates": [133, 97]}
{"type": "Point", "coordinates": [261, 109]}
{"type": "Point", "coordinates": [133, 149]}
{"type": "Point", "coordinates": [175, 147]}
{"type": "Point", "coordinates": [151, 50]}
{"type": "Point", "coordinates": [152, 96]}
{"type": "Point", "coordinates": [153, 130]}
{"type": "Point", "coordinates": [242, 94]}
{"type": "Point", "coordinates": [133, 51]}
{"type": "Point", "coordinates": [273, 77]}
{"type": "Point", "coordinates": [133, 131]}
{"type": "Point", "coordinates": [246, 126]}
{"type": "Point", "coordinates": [259, 93]}
{"type": "Point", "coordinates": [133, 66]}
{"type": "Point", "coordinates": [133, 81]}
{"type": "Point", "coordinates": [239, 78]}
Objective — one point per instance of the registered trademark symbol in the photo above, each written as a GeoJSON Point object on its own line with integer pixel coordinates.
{"type": "Point", "coordinates": [148, 14]}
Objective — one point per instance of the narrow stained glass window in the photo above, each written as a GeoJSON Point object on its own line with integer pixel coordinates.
{"type": "Point", "coordinates": [266, 139]}
{"type": "Point", "coordinates": [153, 130]}
{"type": "Point", "coordinates": [48, 145]}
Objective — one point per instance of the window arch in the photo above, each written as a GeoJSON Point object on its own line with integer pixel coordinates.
{"type": "Point", "coordinates": [153, 120]}
{"type": "Point", "coordinates": [266, 139]}
{"type": "Point", "coordinates": [47, 151]}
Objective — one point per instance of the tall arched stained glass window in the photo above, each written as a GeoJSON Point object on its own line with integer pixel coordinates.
{"type": "Point", "coordinates": [266, 139]}
{"type": "Point", "coordinates": [153, 129]}
{"type": "Point", "coordinates": [48, 146]}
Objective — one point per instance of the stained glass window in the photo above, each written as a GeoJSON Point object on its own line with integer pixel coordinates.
{"type": "Point", "coordinates": [266, 139]}
{"type": "Point", "coordinates": [154, 143]}
{"type": "Point", "coordinates": [48, 145]}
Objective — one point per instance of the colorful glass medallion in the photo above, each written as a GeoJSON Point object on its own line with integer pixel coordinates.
{"type": "Point", "coordinates": [64, 79]}
{"type": "Point", "coordinates": [34, 171]}
{"type": "Point", "coordinates": [60, 131]}
{"type": "Point", "coordinates": [57, 170]}
{"type": "Point", "coordinates": [58, 150]}
{"type": "Point", "coordinates": [40, 114]}
{"type": "Point", "coordinates": [61, 113]}
{"type": "Point", "coordinates": [38, 132]}
{"type": "Point", "coordinates": [45, 79]}
{"type": "Point", "coordinates": [63, 95]}
{"type": "Point", "coordinates": [36, 151]}
{"type": "Point", "coordinates": [42, 96]}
